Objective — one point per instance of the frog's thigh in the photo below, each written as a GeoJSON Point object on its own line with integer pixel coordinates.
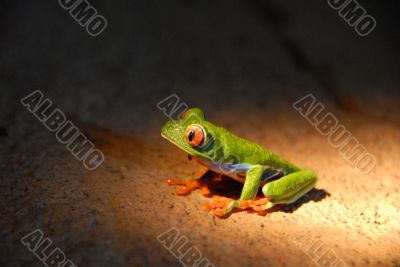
{"type": "Point", "coordinates": [290, 187]}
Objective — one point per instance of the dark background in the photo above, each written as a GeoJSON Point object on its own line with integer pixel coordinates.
{"type": "Point", "coordinates": [244, 63]}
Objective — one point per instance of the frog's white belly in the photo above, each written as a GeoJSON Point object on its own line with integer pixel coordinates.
{"type": "Point", "coordinates": [237, 171]}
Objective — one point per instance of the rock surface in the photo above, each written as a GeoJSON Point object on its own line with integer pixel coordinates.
{"type": "Point", "coordinates": [244, 63]}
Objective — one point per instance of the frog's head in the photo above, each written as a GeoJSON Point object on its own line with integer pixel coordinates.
{"type": "Point", "coordinates": [192, 133]}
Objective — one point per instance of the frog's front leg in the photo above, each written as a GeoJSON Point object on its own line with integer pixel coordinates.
{"type": "Point", "coordinates": [223, 206]}
{"type": "Point", "coordinates": [289, 188]}
{"type": "Point", "coordinates": [199, 182]}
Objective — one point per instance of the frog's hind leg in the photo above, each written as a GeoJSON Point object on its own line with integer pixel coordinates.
{"type": "Point", "coordinates": [289, 188]}
{"type": "Point", "coordinates": [200, 182]}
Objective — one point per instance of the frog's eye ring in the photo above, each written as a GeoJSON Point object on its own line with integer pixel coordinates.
{"type": "Point", "coordinates": [195, 135]}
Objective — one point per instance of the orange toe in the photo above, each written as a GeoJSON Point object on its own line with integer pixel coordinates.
{"type": "Point", "coordinates": [218, 203]}
{"type": "Point", "coordinates": [219, 212]}
{"type": "Point", "coordinates": [253, 203]}
{"type": "Point", "coordinates": [188, 185]}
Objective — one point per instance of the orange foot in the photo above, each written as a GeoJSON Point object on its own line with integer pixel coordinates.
{"type": "Point", "coordinates": [219, 205]}
{"type": "Point", "coordinates": [191, 185]}
{"type": "Point", "coordinates": [259, 204]}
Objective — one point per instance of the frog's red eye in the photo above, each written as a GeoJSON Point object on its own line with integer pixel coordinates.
{"type": "Point", "coordinates": [195, 135]}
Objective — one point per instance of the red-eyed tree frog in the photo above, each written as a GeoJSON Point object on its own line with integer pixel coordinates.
{"type": "Point", "coordinates": [222, 152]}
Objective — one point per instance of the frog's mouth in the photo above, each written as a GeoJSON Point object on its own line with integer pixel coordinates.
{"type": "Point", "coordinates": [175, 142]}
{"type": "Point", "coordinates": [191, 152]}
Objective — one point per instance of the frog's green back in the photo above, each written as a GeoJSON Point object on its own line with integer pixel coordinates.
{"type": "Point", "coordinates": [250, 152]}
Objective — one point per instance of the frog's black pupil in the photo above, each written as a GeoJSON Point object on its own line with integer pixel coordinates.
{"type": "Point", "coordinates": [191, 135]}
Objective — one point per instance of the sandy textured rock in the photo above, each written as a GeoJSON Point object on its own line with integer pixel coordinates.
{"type": "Point", "coordinates": [230, 59]}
